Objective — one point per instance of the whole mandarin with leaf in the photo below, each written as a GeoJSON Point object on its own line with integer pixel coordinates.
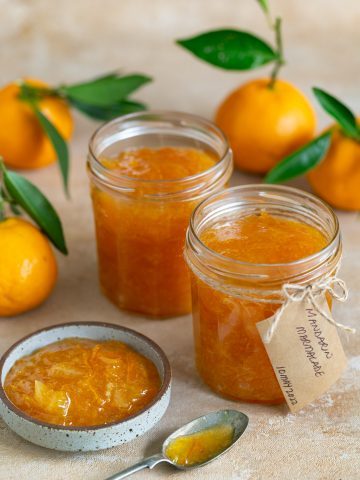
{"type": "Point", "coordinates": [336, 179]}
{"type": "Point", "coordinates": [28, 268]}
{"type": "Point", "coordinates": [23, 142]}
{"type": "Point", "coordinates": [265, 119]}
{"type": "Point", "coordinates": [265, 123]}
{"type": "Point", "coordinates": [36, 121]}
{"type": "Point", "coordinates": [331, 160]}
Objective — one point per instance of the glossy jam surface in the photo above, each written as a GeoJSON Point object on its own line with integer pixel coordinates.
{"type": "Point", "coordinates": [82, 382]}
{"type": "Point", "coordinates": [264, 239]}
{"type": "Point", "coordinates": [167, 163]}
{"type": "Point", "coordinates": [140, 241]}
{"type": "Point", "coordinates": [230, 355]}
{"type": "Point", "coordinates": [201, 446]}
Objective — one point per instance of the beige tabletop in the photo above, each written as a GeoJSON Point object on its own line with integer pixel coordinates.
{"type": "Point", "coordinates": [68, 41]}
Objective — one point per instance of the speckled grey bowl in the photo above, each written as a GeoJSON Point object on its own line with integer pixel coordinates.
{"type": "Point", "coordinates": [85, 438]}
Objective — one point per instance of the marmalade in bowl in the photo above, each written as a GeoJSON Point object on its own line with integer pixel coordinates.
{"type": "Point", "coordinates": [140, 241]}
{"type": "Point", "coordinates": [230, 355]}
{"type": "Point", "coordinates": [82, 382]}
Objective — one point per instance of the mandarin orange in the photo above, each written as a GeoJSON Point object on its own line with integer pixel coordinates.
{"type": "Point", "coordinates": [28, 268]}
{"type": "Point", "coordinates": [265, 124]}
{"type": "Point", "coordinates": [337, 178]}
{"type": "Point", "coordinates": [23, 143]}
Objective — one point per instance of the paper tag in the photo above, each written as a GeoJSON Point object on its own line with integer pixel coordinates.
{"type": "Point", "coordinates": [305, 352]}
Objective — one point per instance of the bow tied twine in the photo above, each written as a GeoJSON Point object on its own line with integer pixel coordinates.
{"type": "Point", "coordinates": [293, 292]}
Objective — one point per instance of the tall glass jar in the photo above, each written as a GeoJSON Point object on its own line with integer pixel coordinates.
{"type": "Point", "coordinates": [231, 296]}
{"type": "Point", "coordinates": [141, 224]}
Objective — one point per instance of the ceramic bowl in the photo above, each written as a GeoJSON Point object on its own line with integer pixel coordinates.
{"type": "Point", "coordinates": [85, 438]}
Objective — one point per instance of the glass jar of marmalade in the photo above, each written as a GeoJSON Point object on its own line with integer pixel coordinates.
{"type": "Point", "coordinates": [148, 171]}
{"type": "Point", "coordinates": [242, 245]}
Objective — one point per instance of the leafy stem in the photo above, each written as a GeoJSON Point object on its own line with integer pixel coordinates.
{"type": "Point", "coordinates": [57, 141]}
{"type": "Point", "coordinates": [102, 98]}
{"type": "Point", "coordinates": [280, 61]}
{"type": "Point", "coordinates": [5, 198]}
{"type": "Point", "coordinates": [301, 161]}
{"type": "Point", "coordinates": [2, 208]}
{"type": "Point", "coordinates": [343, 115]}
{"type": "Point", "coordinates": [279, 49]}
{"type": "Point", "coordinates": [2, 200]}
{"type": "Point", "coordinates": [30, 93]}
{"type": "Point", "coordinates": [22, 196]}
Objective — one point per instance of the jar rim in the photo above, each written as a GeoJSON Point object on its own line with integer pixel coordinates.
{"type": "Point", "coordinates": [101, 171]}
{"type": "Point", "coordinates": [194, 241]}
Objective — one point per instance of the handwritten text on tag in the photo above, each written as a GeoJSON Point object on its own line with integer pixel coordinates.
{"type": "Point", "coordinates": [305, 352]}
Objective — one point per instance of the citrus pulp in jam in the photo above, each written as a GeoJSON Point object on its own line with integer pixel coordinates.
{"type": "Point", "coordinates": [230, 355]}
{"type": "Point", "coordinates": [140, 240]}
{"type": "Point", "coordinates": [82, 382]}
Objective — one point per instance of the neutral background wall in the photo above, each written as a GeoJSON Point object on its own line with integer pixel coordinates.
{"type": "Point", "coordinates": [68, 40]}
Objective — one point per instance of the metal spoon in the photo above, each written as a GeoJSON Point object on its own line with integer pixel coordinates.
{"type": "Point", "coordinates": [239, 421]}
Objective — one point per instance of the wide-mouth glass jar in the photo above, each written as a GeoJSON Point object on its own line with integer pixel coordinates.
{"type": "Point", "coordinates": [141, 224]}
{"type": "Point", "coordinates": [230, 296]}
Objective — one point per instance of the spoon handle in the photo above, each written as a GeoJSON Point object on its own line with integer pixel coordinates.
{"type": "Point", "coordinates": [149, 462]}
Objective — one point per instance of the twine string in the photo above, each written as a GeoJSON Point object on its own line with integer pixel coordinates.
{"type": "Point", "coordinates": [292, 292]}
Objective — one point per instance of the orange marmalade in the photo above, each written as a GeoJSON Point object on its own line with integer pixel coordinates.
{"type": "Point", "coordinates": [82, 382]}
{"type": "Point", "coordinates": [242, 246]}
{"type": "Point", "coordinates": [166, 163]}
{"type": "Point", "coordinates": [143, 197]}
{"type": "Point", "coordinates": [201, 446]}
{"type": "Point", "coordinates": [140, 243]}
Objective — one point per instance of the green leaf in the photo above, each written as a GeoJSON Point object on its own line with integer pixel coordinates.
{"type": "Point", "coordinates": [58, 143]}
{"type": "Point", "coordinates": [104, 91]}
{"type": "Point", "coordinates": [230, 49]}
{"type": "Point", "coordinates": [37, 206]}
{"type": "Point", "coordinates": [264, 5]}
{"type": "Point", "coordinates": [342, 114]}
{"type": "Point", "coordinates": [107, 113]}
{"type": "Point", "coordinates": [300, 161]}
